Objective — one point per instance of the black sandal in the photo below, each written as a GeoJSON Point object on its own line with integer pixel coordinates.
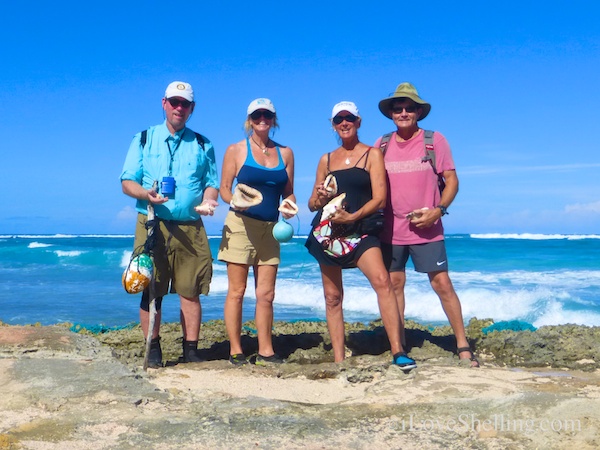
{"type": "Point", "coordinates": [473, 358]}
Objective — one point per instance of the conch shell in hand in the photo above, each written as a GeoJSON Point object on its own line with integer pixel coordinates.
{"type": "Point", "coordinates": [289, 207]}
{"type": "Point", "coordinates": [330, 184]}
{"type": "Point", "coordinates": [245, 196]}
{"type": "Point", "coordinates": [205, 208]}
{"type": "Point", "coordinates": [334, 204]}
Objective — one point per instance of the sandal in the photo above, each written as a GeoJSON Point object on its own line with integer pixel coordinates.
{"type": "Point", "coordinates": [473, 358]}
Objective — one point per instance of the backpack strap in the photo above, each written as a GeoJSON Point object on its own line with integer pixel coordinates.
{"type": "Point", "coordinates": [144, 137]}
{"type": "Point", "coordinates": [385, 140]}
{"type": "Point", "coordinates": [430, 156]}
{"type": "Point", "coordinates": [200, 140]}
{"type": "Point", "coordinates": [429, 151]}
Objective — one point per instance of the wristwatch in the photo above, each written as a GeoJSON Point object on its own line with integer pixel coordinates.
{"type": "Point", "coordinates": [443, 209]}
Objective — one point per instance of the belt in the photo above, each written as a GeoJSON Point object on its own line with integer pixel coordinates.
{"type": "Point", "coordinates": [179, 222]}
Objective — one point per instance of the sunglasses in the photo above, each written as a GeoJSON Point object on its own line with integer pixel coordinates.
{"type": "Point", "coordinates": [349, 118]}
{"type": "Point", "coordinates": [408, 109]}
{"type": "Point", "coordinates": [176, 103]}
{"type": "Point", "coordinates": [262, 113]}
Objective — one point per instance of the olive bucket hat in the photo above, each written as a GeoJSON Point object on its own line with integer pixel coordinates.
{"type": "Point", "coordinates": [404, 90]}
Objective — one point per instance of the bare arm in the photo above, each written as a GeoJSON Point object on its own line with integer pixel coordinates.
{"type": "Point", "coordinates": [229, 172]}
{"type": "Point", "coordinates": [451, 188]}
{"type": "Point", "coordinates": [288, 159]}
{"type": "Point", "coordinates": [319, 196]}
{"type": "Point", "coordinates": [431, 216]}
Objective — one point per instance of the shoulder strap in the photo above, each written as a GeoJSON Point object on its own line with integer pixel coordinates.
{"type": "Point", "coordinates": [385, 140]}
{"type": "Point", "coordinates": [144, 137]}
{"type": "Point", "coordinates": [328, 158]}
{"type": "Point", "coordinates": [364, 155]}
{"type": "Point", "coordinates": [200, 140]}
{"type": "Point", "coordinates": [430, 156]}
{"type": "Point", "coordinates": [429, 150]}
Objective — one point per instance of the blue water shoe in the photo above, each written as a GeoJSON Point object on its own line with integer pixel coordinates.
{"type": "Point", "coordinates": [403, 361]}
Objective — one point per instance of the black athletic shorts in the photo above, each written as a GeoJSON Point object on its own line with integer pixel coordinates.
{"type": "Point", "coordinates": [428, 257]}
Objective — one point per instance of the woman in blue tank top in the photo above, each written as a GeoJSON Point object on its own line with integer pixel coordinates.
{"type": "Point", "coordinates": [247, 240]}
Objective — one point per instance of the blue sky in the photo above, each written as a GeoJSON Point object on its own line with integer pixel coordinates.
{"type": "Point", "coordinates": [513, 86]}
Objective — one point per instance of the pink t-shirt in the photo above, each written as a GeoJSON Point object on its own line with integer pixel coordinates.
{"type": "Point", "coordinates": [413, 185]}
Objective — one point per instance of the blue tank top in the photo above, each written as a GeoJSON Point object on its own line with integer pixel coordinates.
{"type": "Point", "coordinates": [270, 182]}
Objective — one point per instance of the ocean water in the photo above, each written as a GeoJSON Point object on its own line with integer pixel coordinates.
{"type": "Point", "coordinates": [540, 279]}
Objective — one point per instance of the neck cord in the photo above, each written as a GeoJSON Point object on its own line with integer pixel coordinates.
{"type": "Point", "coordinates": [264, 149]}
{"type": "Point", "coordinates": [172, 154]}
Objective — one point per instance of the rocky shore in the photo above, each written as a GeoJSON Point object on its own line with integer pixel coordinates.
{"type": "Point", "coordinates": [61, 389]}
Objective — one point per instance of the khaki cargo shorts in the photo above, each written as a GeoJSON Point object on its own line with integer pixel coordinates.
{"type": "Point", "coordinates": [248, 241]}
{"type": "Point", "coordinates": [182, 257]}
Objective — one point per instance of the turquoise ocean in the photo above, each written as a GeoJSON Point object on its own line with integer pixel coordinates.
{"type": "Point", "coordinates": [539, 279]}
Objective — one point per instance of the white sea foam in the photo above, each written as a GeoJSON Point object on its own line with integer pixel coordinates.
{"type": "Point", "coordinates": [533, 236]}
{"type": "Point", "coordinates": [70, 253]}
{"type": "Point", "coordinates": [535, 297]}
{"type": "Point", "coordinates": [555, 314]}
{"type": "Point", "coordinates": [39, 245]}
{"type": "Point", "coordinates": [125, 258]}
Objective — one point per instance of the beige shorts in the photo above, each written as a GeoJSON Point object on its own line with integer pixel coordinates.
{"type": "Point", "coordinates": [248, 241]}
{"type": "Point", "coordinates": [182, 257]}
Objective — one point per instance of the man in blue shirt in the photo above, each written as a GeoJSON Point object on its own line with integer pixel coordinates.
{"type": "Point", "coordinates": [183, 163]}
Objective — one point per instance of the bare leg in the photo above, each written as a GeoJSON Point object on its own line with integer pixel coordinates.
{"type": "Point", "coordinates": [442, 285]}
{"type": "Point", "coordinates": [334, 294]}
{"type": "Point", "coordinates": [264, 277]}
{"type": "Point", "coordinates": [398, 282]}
{"type": "Point", "coordinates": [371, 264]}
{"type": "Point", "coordinates": [237, 275]}
{"type": "Point", "coordinates": [145, 321]}
{"type": "Point", "coordinates": [191, 317]}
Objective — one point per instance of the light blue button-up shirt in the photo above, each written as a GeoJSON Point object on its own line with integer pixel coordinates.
{"type": "Point", "coordinates": [179, 156]}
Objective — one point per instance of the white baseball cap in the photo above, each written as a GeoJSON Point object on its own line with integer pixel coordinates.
{"type": "Point", "coordinates": [344, 106]}
{"type": "Point", "coordinates": [261, 103]}
{"type": "Point", "coordinates": [180, 89]}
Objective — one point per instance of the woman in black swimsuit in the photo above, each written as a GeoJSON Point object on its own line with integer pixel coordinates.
{"type": "Point", "coordinates": [360, 174]}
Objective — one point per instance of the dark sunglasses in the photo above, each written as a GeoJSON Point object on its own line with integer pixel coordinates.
{"type": "Point", "coordinates": [408, 109]}
{"type": "Point", "coordinates": [262, 113]}
{"type": "Point", "coordinates": [175, 103]}
{"type": "Point", "coordinates": [349, 118]}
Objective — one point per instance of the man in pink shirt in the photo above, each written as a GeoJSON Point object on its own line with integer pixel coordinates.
{"type": "Point", "coordinates": [413, 226]}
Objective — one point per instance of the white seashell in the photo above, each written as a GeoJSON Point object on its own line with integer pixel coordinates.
{"type": "Point", "coordinates": [330, 184]}
{"type": "Point", "coordinates": [289, 207]}
{"type": "Point", "coordinates": [205, 208]}
{"type": "Point", "coordinates": [334, 204]}
{"type": "Point", "coordinates": [245, 196]}
{"type": "Point", "coordinates": [416, 214]}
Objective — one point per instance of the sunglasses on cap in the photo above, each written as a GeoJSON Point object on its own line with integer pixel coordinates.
{"type": "Point", "coordinates": [262, 113]}
{"type": "Point", "coordinates": [175, 103]}
{"type": "Point", "coordinates": [409, 109]}
{"type": "Point", "coordinates": [349, 118]}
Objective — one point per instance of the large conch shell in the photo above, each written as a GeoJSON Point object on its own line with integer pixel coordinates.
{"type": "Point", "coordinates": [245, 196]}
{"type": "Point", "coordinates": [330, 184]}
{"type": "Point", "coordinates": [334, 204]}
{"type": "Point", "coordinates": [289, 207]}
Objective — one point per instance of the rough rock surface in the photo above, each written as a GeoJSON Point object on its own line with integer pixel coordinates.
{"type": "Point", "coordinates": [65, 390]}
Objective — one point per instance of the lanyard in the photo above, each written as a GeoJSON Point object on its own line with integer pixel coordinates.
{"type": "Point", "coordinates": [172, 154]}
